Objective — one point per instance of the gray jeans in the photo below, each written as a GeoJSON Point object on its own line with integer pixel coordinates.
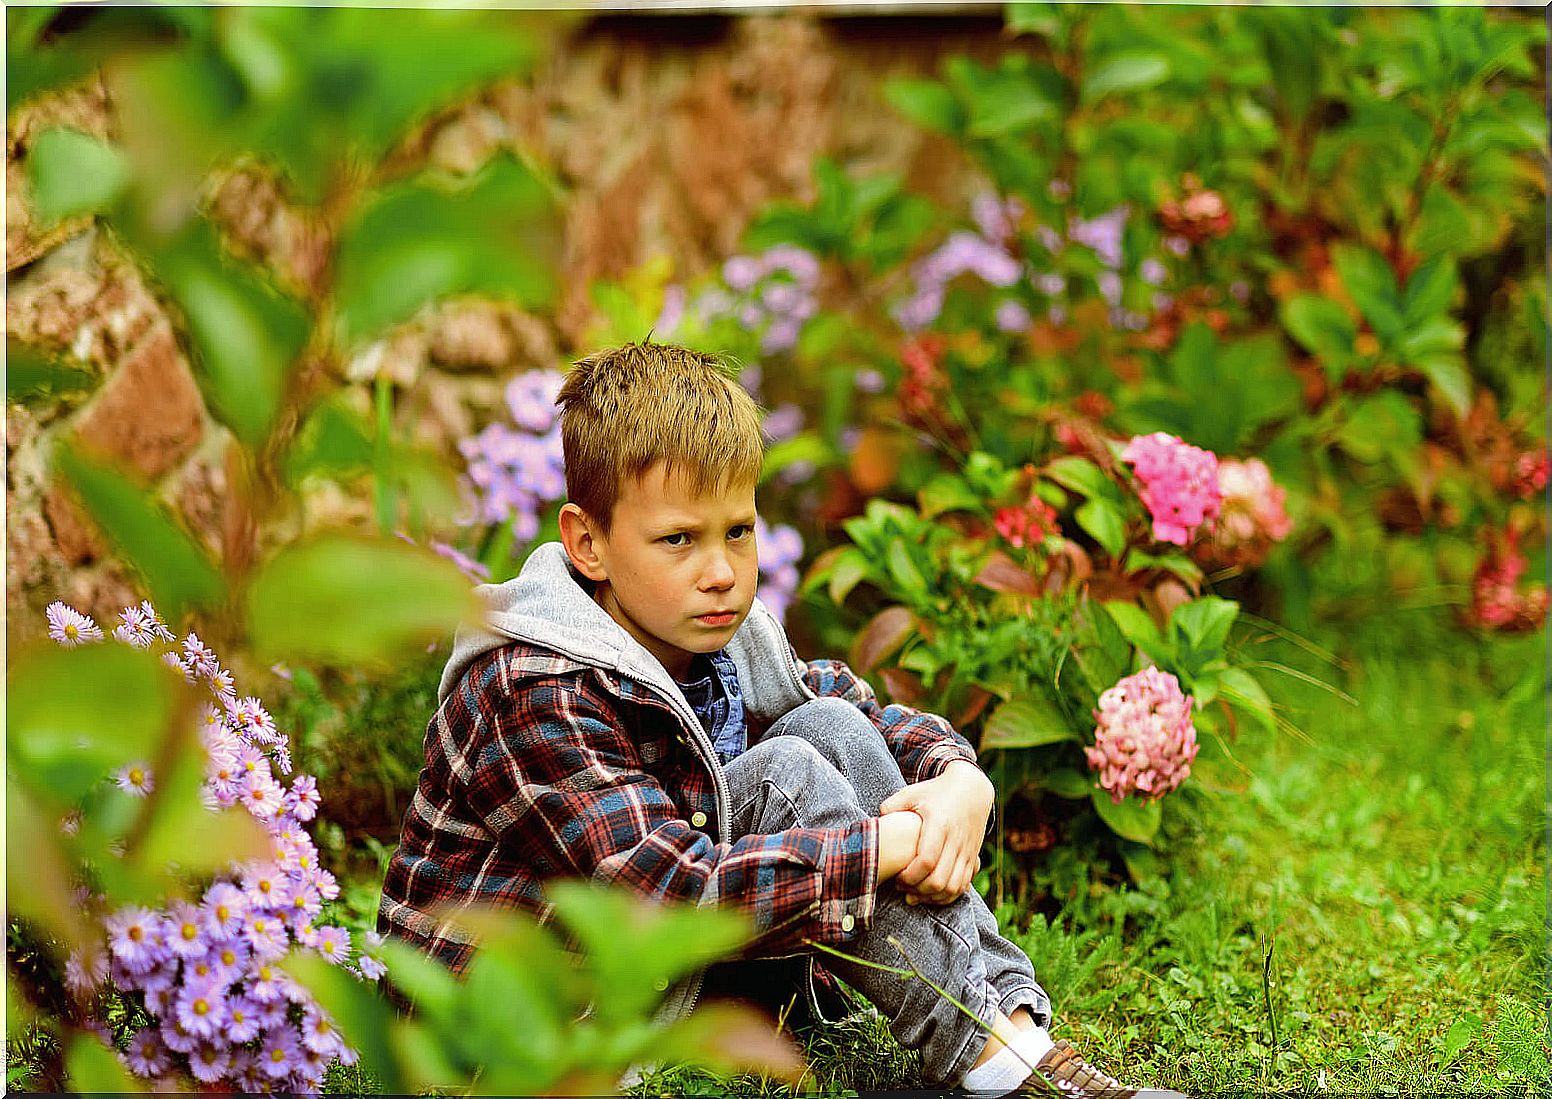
{"type": "Point", "coordinates": [825, 765]}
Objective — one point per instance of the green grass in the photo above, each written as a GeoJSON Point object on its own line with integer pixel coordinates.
{"type": "Point", "coordinates": [1390, 861]}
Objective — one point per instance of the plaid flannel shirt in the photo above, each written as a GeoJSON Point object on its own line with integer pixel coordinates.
{"type": "Point", "coordinates": [539, 766]}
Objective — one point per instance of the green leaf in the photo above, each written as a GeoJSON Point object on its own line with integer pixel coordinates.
{"type": "Point", "coordinates": [1382, 425]}
{"type": "Point", "coordinates": [947, 492]}
{"type": "Point", "coordinates": [1105, 523]}
{"type": "Point", "coordinates": [246, 335]}
{"type": "Point", "coordinates": [93, 1069]}
{"type": "Point", "coordinates": [1026, 723]}
{"type": "Point", "coordinates": [175, 569]}
{"type": "Point", "coordinates": [429, 238]}
{"type": "Point", "coordinates": [1205, 622]}
{"type": "Point", "coordinates": [1460, 1035]}
{"type": "Point", "coordinates": [1080, 475]}
{"type": "Point", "coordinates": [1370, 280]}
{"type": "Point", "coordinates": [1246, 694]}
{"type": "Point", "coordinates": [1132, 819]}
{"type": "Point", "coordinates": [1178, 564]}
{"type": "Point", "coordinates": [850, 569]}
{"type": "Point", "coordinates": [1136, 625]}
{"type": "Point", "coordinates": [334, 441]}
{"type": "Point", "coordinates": [1430, 290]}
{"type": "Point", "coordinates": [903, 570]}
{"type": "Point", "coordinates": [1069, 783]}
{"type": "Point", "coordinates": [339, 600]}
{"type": "Point", "coordinates": [805, 447]}
{"type": "Point", "coordinates": [362, 1014]}
{"type": "Point", "coordinates": [73, 173]}
{"type": "Point", "coordinates": [926, 103]}
{"type": "Point", "coordinates": [1129, 71]}
{"type": "Point", "coordinates": [1449, 376]}
{"type": "Point", "coordinates": [31, 376]}
{"type": "Point", "coordinates": [1323, 328]}
{"type": "Point", "coordinates": [177, 812]}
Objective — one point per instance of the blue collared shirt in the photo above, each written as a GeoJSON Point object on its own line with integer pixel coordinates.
{"type": "Point", "coordinates": [716, 700]}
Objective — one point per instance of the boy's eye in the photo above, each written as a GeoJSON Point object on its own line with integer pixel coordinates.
{"type": "Point", "coordinates": [669, 539]}
{"type": "Point", "coordinates": [743, 530]}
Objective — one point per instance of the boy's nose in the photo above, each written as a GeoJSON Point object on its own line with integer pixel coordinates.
{"type": "Point", "coordinates": [718, 573]}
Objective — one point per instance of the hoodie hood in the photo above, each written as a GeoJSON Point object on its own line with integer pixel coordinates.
{"type": "Point", "coordinates": [546, 606]}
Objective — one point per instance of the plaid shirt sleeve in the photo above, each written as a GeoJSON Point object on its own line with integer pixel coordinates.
{"type": "Point", "coordinates": [556, 770]}
{"type": "Point", "coordinates": [923, 744]}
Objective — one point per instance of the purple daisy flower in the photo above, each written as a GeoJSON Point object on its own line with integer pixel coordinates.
{"type": "Point", "coordinates": [222, 685]}
{"type": "Point", "coordinates": [271, 1013]}
{"type": "Point", "coordinates": [319, 1032]}
{"type": "Point", "coordinates": [279, 1052]}
{"type": "Point", "coordinates": [209, 1062]}
{"type": "Point", "coordinates": [261, 794]}
{"type": "Point", "coordinates": [177, 665]}
{"type": "Point", "coordinates": [198, 657]}
{"type": "Point", "coordinates": [242, 1019]}
{"type": "Point", "coordinates": [201, 1008]}
{"type": "Point", "coordinates": [147, 1054]}
{"type": "Point", "coordinates": [85, 970]}
{"type": "Point", "coordinates": [69, 627]}
{"type": "Point", "coordinates": [135, 779]}
{"type": "Point", "coordinates": [134, 631]}
{"type": "Point", "coordinates": [299, 896]}
{"type": "Point", "coordinates": [303, 799]}
{"type": "Point", "coordinates": [135, 937]}
{"type": "Point", "coordinates": [184, 931]}
{"type": "Point", "coordinates": [154, 622]}
{"type": "Point", "coordinates": [176, 1035]}
{"type": "Point", "coordinates": [224, 907]}
{"type": "Point", "coordinates": [267, 984]}
{"type": "Point", "coordinates": [266, 936]}
{"type": "Point", "coordinates": [371, 968]}
{"type": "Point", "coordinates": [334, 944]}
{"type": "Point", "coordinates": [741, 272]}
{"type": "Point", "coordinates": [229, 960]}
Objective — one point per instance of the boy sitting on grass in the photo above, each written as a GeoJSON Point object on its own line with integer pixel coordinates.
{"type": "Point", "coordinates": [633, 714]}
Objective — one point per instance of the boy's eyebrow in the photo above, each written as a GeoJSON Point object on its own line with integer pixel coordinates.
{"type": "Point", "coordinates": [672, 526]}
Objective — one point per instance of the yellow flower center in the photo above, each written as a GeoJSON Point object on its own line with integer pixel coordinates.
{"type": "Point", "coordinates": [277, 1055]}
{"type": "Point", "coordinates": [228, 956]}
{"type": "Point", "coordinates": [189, 932]}
{"type": "Point", "coordinates": [136, 934]}
{"type": "Point", "coordinates": [71, 631]}
{"type": "Point", "coordinates": [136, 776]}
{"type": "Point", "coordinates": [223, 913]}
{"type": "Point", "coordinates": [201, 1007]}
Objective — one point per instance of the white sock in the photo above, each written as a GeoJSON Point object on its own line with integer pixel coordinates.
{"type": "Point", "coordinates": [1011, 1065]}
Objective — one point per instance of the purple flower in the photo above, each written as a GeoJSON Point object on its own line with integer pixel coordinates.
{"type": "Point", "coordinates": [184, 930]}
{"type": "Point", "coordinates": [70, 627]}
{"type": "Point", "coordinates": [783, 422]}
{"type": "Point", "coordinates": [741, 272]}
{"type": "Point", "coordinates": [176, 1036]}
{"type": "Point", "coordinates": [266, 984]}
{"type": "Point", "coordinates": [1152, 272]}
{"type": "Point", "coordinates": [1177, 246]}
{"type": "Point", "coordinates": [371, 968]}
{"type": "Point", "coordinates": [242, 1019]}
{"type": "Point", "coordinates": [85, 971]}
{"type": "Point", "coordinates": [869, 380]}
{"type": "Point", "coordinates": [1059, 189]}
{"type": "Point", "coordinates": [135, 937]}
{"type": "Point", "coordinates": [319, 1032]}
{"type": "Point", "coordinates": [198, 658]}
{"type": "Point", "coordinates": [1050, 239]}
{"type": "Point", "coordinates": [229, 960]}
{"type": "Point", "coordinates": [154, 622]}
{"type": "Point", "coordinates": [919, 310]}
{"type": "Point", "coordinates": [222, 685]}
{"type": "Point", "coordinates": [146, 1055]}
{"type": "Point", "coordinates": [209, 1061]}
{"type": "Point", "coordinates": [531, 399]}
{"type": "Point", "coordinates": [995, 217]}
{"type": "Point", "coordinates": [1051, 284]}
{"type": "Point", "coordinates": [261, 794]}
{"type": "Point", "coordinates": [266, 936]}
{"type": "Point", "coordinates": [467, 565]}
{"type": "Point", "coordinates": [781, 336]}
{"type": "Point", "coordinates": [201, 1008]}
{"type": "Point", "coordinates": [781, 297]}
{"type": "Point", "coordinates": [1102, 234]}
{"type": "Point", "coordinates": [299, 897]}
{"type": "Point", "coordinates": [800, 263]}
{"type": "Point", "coordinates": [135, 779]}
{"type": "Point", "coordinates": [252, 720]}
{"type": "Point", "coordinates": [1012, 316]}
{"type": "Point", "coordinates": [273, 1012]}
{"type": "Point", "coordinates": [780, 545]}
{"type": "Point", "coordinates": [334, 944]}
{"type": "Point", "coordinates": [1109, 286]}
{"type": "Point", "coordinates": [303, 799]}
{"type": "Point", "coordinates": [751, 377]}
{"type": "Point", "coordinates": [279, 1052]}
{"type": "Point", "coordinates": [136, 631]}
{"type": "Point", "coordinates": [675, 298]}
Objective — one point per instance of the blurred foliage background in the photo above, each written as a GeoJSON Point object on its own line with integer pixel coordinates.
{"type": "Point", "coordinates": [288, 291]}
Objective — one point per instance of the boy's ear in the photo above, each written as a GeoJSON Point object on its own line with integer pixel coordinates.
{"type": "Point", "coordinates": [576, 535]}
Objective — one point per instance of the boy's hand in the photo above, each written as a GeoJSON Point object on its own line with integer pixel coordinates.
{"type": "Point", "coordinates": [954, 808]}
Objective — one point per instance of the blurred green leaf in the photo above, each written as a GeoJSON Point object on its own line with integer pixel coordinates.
{"type": "Point", "coordinates": [177, 812]}
{"type": "Point", "coordinates": [1370, 280]}
{"type": "Point", "coordinates": [334, 441]}
{"type": "Point", "coordinates": [1132, 819]}
{"type": "Point", "coordinates": [93, 1069]}
{"type": "Point", "coordinates": [246, 335]}
{"type": "Point", "coordinates": [1450, 377]}
{"type": "Point", "coordinates": [947, 492]}
{"type": "Point", "coordinates": [426, 238]}
{"type": "Point", "coordinates": [1379, 426]}
{"type": "Point", "coordinates": [523, 967]}
{"type": "Point", "coordinates": [73, 173]}
{"type": "Point", "coordinates": [1067, 782]}
{"type": "Point", "coordinates": [1104, 521]}
{"type": "Point", "coordinates": [1430, 290]}
{"type": "Point", "coordinates": [1026, 722]}
{"type": "Point", "coordinates": [339, 600]}
{"type": "Point", "coordinates": [34, 376]}
{"type": "Point", "coordinates": [1247, 695]}
{"type": "Point", "coordinates": [41, 886]}
{"type": "Point", "coordinates": [1129, 71]}
{"type": "Point", "coordinates": [927, 103]}
{"type": "Point", "coordinates": [729, 1037]}
{"type": "Point", "coordinates": [1325, 330]}
{"type": "Point", "coordinates": [76, 715]}
{"type": "Point", "coordinates": [360, 1012]}
{"type": "Point", "coordinates": [850, 569]}
{"type": "Point", "coordinates": [1081, 475]}
{"type": "Point", "coordinates": [1460, 1035]}
{"type": "Point", "coordinates": [1205, 622]}
{"type": "Point", "coordinates": [174, 566]}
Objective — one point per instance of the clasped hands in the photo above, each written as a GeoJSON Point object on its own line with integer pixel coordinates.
{"type": "Point", "coordinates": [939, 866]}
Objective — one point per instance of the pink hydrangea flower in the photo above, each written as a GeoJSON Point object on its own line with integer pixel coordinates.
{"type": "Point", "coordinates": [1179, 484]}
{"type": "Point", "coordinates": [1144, 743]}
{"type": "Point", "coordinates": [1253, 509]}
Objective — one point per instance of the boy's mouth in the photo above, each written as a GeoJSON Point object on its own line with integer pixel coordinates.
{"type": "Point", "coordinates": [716, 618]}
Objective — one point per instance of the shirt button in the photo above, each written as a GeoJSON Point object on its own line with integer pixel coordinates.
{"type": "Point", "coordinates": [848, 922]}
{"type": "Point", "coordinates": [698, 819]}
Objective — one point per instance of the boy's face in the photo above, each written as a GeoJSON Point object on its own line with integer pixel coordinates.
{"type": "Point", "coordinates": [671, 562]}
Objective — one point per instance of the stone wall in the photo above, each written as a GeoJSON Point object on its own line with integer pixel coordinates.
{"type": "Point", "coordinates": [668, 132]}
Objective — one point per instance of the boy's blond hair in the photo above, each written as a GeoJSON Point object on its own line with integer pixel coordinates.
{"type": "Point", "coordinates": [626, 408]}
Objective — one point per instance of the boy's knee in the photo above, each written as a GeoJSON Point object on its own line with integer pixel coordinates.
{"type": "Point", "coordinates": [838, 729]}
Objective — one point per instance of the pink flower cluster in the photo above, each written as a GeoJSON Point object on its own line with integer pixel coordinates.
{"type": "Point", "coordinates": [1026, 525]}
{"type": "Point", "coordinates": [1253, 513]}
{"type": "Point", "coordinates": [207, 972]}
{"type": "Point", "coordinates": [1496, 601]}
{"type": "Point", "coordinates": [1179, 484]}
{"type": "Point", "coordinates": [1144, 743]}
